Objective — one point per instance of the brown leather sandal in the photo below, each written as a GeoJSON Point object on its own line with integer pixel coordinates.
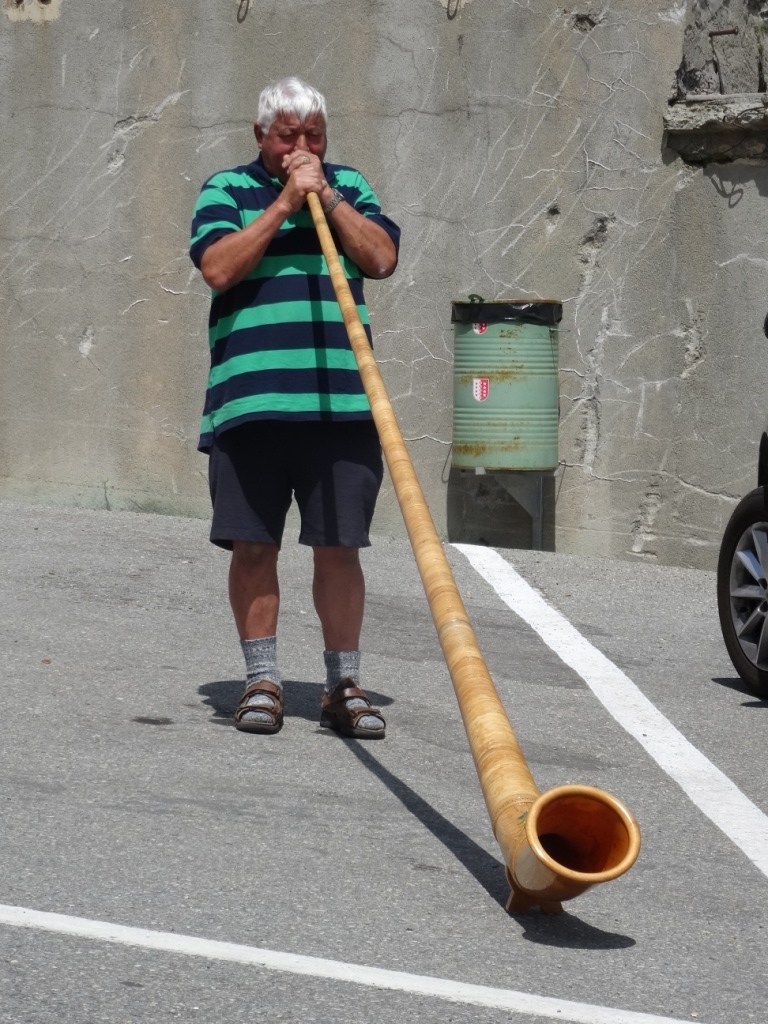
{"type": "Point", "coordinates": [274, 710]}
{"type": "Point", "coordinates": [336, 715]}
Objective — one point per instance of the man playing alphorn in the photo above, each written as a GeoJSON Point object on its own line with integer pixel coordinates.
{"type": "Point", "coordinates": [285, 411]}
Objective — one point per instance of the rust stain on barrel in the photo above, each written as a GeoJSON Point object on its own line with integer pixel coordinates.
{"type": "Point", "coordinates": [477, 449]}
{"type": "Point", "coordinates": [506, 376]}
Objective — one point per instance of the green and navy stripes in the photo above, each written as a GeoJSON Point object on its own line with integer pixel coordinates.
{"type": "Point", "coordinates": [279, 348]}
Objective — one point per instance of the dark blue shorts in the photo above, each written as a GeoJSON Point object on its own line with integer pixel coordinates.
{"type": "Point", "coordinates": [334, 470]}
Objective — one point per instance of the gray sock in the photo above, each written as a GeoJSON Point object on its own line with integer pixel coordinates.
{"type": "Point", "coordinates": [260, 663]}
{"type": "Point", "coordinates": [346, 665]}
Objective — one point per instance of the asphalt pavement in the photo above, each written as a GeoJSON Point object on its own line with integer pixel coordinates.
{"type": "Point", "coordinates": [129, 799]}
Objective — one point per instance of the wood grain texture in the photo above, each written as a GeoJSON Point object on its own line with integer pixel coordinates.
{"type": "Point", "coordinates": [508, 787]}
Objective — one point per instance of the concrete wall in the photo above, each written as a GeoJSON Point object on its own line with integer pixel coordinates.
{"type": "Point", "coordinates": [521, 147]}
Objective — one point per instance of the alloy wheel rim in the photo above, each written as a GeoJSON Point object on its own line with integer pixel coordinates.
{"type": "Point", "coordinates": [749, 594]}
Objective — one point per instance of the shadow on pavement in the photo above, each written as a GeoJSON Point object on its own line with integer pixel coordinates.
{"type": "Point", "coordinates": [568, 932]}
{"type": "Point", "coordinates": [484, 868]}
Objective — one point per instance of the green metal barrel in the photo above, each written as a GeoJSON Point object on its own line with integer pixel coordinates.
{"type": "Point", "coordinates": [505, 396]}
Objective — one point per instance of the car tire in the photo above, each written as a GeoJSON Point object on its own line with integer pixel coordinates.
{"type": "Point", "coordinates": [742, 589]}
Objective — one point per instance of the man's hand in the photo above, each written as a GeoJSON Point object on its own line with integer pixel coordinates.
{"type": "Point", "coordinates": [305, 174]}
{"type": "Point", "coordinates": [367, 244]}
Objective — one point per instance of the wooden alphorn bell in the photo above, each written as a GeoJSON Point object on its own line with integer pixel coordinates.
{"type": "Point", "coordinates": [556, 844]}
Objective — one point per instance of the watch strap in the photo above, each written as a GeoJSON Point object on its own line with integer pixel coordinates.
{"type": "Point", "coordinates": [337, 198]}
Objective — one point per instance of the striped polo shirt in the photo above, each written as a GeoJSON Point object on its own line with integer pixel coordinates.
{"type": "Point", "coordinates": [279, 348]}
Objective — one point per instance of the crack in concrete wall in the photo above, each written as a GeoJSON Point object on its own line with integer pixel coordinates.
{"type": "Point", "coordinates": [643, 535]}
{"type": "Point", "coordinates": [130, 127]}
{"type": "Point", "coordinates": [584, 22]}
{"type": "Point", "coordinates": [693, 334]}
{"type": "Point", "coordinates": [588, 441]}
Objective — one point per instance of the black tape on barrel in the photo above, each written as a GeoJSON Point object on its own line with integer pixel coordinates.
{"type": "Point", "coordinates": [544, 313]}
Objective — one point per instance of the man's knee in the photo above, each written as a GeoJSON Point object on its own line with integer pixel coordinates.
{"type": "Point", "coordinates": [330, 558]}
{"type": "Point", "coordinates": [250, 557]}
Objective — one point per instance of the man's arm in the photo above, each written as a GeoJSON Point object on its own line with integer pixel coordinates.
{"type": "Point", "coordinates": [231, 258]}
{"type": "Point", "coordinates": [364, 241]}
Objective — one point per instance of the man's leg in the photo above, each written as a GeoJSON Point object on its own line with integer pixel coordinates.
{"type": "Point", "coordinates": [251, 493]}
{"type": "Point", "coordinates": [254, 590]}
{"type": "Point", "coordinates": [338, 589]}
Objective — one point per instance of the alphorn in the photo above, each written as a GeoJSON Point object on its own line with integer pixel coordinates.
{"type": "Point", "coordinates": [556, 844]}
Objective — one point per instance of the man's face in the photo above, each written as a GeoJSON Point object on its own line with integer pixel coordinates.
{"type": "Point", "coordinates": [287, 133]}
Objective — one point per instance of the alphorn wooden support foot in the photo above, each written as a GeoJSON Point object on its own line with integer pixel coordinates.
{"type": "Point", "coordinates": [520, 903]}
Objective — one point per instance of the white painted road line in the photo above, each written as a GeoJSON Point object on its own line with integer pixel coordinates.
{"type": "Point", "coordinates": [711, 790]}
{"type": "Point", "coordinates": [332, 970]}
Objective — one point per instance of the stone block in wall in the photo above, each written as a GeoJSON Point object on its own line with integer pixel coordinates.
{"type": "Point", "coordinates": [719, 129]}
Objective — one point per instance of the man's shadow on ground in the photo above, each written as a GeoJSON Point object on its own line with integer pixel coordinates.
{"type": "Point", "coordinates": [302, 700]}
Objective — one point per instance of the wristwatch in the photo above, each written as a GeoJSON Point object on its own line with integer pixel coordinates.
{"type": "Point", "coordinates": [337, 198]}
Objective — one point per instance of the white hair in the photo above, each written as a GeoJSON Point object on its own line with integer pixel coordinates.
{"type": "Point", "coordinates": [290, 96]}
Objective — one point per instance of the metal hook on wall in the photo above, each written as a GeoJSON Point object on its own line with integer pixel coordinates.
{"type": "Point", "coordinates": [242, 11]}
